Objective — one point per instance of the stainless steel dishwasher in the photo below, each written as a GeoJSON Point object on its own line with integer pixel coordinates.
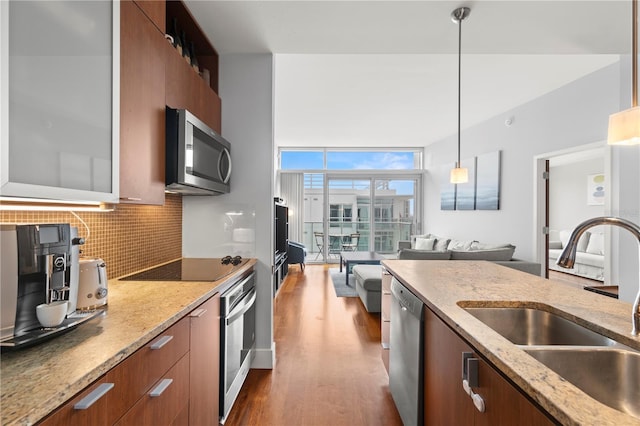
{"type": "Point", "coordinates": [406, 342]}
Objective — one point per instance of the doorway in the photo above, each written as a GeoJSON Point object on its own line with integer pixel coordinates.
{"type": "Point", "coordinates": [572, 186]}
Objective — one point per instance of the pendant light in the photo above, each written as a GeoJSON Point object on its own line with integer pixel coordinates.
{"type": "Point", "coordinates": [459, 174]}
{"type": "Point", "coordinates": [624, 126]}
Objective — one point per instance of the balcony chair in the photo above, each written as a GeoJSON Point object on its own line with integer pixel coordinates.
{"type": "Point", "coordinates": [319, 240]}
{"type": "Point", "coordinates": [352, 245]}
{"type": "Point", "coordinates": [296, 253]}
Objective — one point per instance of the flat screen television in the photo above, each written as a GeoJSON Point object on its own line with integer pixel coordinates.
{"type": "Point", "coordinates": [281, 229]}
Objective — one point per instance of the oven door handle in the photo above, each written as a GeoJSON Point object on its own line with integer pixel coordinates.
{"type": "Point", "coordinates": [245, 304]}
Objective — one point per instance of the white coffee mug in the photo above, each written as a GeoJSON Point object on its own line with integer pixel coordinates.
{"type": "Point", "coordinates": [51, 314]}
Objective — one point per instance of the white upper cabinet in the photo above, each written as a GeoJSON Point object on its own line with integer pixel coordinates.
{"type": "Point", "coordinates": [60, 83]}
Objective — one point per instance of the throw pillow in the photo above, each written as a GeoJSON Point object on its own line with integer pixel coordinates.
{"type": "Point", "coordinates": [425, 243]}
{"type": "Point", "coordinates": [596, 244]}
{"type": "Point", "coordinates": [503, 253]}
{"type": "Point", "coordinates": [414, 238]}
{"type": "Point", "coordinates": [459, 245]}
{"type": "Point", "coordinates": [475, 245]}
{"type": "Point", "coordinates": [441, 244]}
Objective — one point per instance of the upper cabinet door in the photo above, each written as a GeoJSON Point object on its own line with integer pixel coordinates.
{"type": "Point", "coordinates": [60, 70]}
{"type": "Point", "coordinates": [142, 106]}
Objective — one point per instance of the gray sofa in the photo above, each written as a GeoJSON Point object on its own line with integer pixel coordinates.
{"type": "Point", "coordinates": [368, 278]}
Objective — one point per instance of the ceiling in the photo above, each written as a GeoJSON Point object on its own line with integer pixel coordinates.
{"type": "Point", "coordinates": [513, 27]}
{"type": "Point", "coordinates": [406, 51]}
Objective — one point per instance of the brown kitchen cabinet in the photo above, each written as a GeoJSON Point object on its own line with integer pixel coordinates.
{"type": "Point", "coordinates": [204, 355]}
{"type": "Point", "coordinates": [164, 402]}
{"type": "Point", "coordinates": [163, 357]}
{"type": "Point", "coordinates": [95, 414]}
{"type": "Point", "coordinates": [186, 88]}
{"type": "Point", "coordinates": [155, 11]}
{"type": "Point", "coordinates": [385, 317]}
{"type": "Point", "coordinates": [142, 104]}
{"type": "Point", "coordinates": [445, 400]}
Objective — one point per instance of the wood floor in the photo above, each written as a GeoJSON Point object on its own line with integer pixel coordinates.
{"type": "Point", "coordinates": [328, 367]}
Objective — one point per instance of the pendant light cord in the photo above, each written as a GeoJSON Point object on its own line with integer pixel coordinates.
{"type": "Point", "coordinates": [459, 79]}
{"type": "Point", "coordinates": [634, 54]}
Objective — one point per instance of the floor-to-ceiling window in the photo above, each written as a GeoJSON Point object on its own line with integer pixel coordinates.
{"type": "Point", "coordinates": [365, 200]}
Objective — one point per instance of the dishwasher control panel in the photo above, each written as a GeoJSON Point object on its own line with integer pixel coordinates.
{"type": "Point", "coordinates": [408, 300]}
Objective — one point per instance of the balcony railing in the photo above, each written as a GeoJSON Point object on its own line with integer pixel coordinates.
{"type": "Point", "coordinates": [385, 238]}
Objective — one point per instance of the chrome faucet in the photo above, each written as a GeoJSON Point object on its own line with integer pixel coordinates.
{"type": "Point", "coordinates": [568, 256]}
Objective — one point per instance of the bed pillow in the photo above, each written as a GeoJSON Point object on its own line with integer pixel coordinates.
{"type": "Point", "coordinates": [596, 244]}
{"type": "Point", "coordinates": [564, 237]}
{"type": "Point", "coordinates": [583, 241]}
{"type": "Point", "coordinates": [425, 243]}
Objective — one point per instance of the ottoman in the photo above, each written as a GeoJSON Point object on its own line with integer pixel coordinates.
{"type": "Point", "coordinates": [369, 285]}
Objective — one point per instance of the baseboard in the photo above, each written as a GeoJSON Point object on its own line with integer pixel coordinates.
{"type": "Point", "coordinates": [265, 359]}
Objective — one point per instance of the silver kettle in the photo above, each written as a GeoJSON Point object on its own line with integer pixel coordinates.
{"type": "Point", "coordinates": [92, 284]}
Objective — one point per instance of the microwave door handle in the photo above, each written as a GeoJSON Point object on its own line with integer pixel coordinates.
{"type": "Point", "coordinates": [226, 152]}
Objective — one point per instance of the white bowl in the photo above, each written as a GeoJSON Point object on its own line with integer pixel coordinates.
{"type": "Point", "coordinates": [52, 314]}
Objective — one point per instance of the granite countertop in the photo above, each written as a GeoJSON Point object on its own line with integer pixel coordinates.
{"type": "Point", "coordinates": [37, 380]}
{"type": "Point", "coordinates": [442, 284]}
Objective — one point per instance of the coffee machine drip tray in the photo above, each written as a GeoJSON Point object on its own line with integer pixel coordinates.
{"type": "Point", "coordinates": [42, 334]}
{"type": "Point", "coordinates": [191, 269]}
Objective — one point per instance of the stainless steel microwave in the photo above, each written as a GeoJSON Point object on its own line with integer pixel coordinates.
{"type": "Point", "coordinates": [198, 160]}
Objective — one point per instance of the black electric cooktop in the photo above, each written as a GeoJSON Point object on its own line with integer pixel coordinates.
{"type": "Point", "coordinates": [191, 269]}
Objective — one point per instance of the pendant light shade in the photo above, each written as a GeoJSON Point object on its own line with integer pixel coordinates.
{"type": "Point", "coordinates": [459, 174]}
{"type": "Point", "coordinates": [624, 126]}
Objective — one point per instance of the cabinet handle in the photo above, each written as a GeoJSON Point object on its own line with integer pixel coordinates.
{"type": "Point", "coordinates": [478, 402]}
{"type": "Point", "coordinates": [162, 386]}
{"type": "Point", "coordinates": [161, 342]}
{"type": "Point", "coordinates": [470, 368]}
{"type": "Point", "coordinates": [95, 395]}
{"type": "Point", "coordinates": [131, 198]}
{"type": "Point", "coordinates": [197, 313]}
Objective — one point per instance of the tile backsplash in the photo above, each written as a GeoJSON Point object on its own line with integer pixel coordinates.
{"type": "Point", "coordinates": [128, 239]}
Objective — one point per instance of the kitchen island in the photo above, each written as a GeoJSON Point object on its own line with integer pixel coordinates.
{"type": "Point", "coordinates": [37, 380]}
{"type": "Point", "coordinates": [445, 287]}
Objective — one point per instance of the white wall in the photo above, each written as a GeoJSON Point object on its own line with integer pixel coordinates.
{"type": "Point", "coordinates": [568, 194]}
{"type": "Point", "coordinates": [575, 114]}
{"type": "Point", "coordinates": [625, 197]}
{"type": "Point", "coordinates": [246, 89]}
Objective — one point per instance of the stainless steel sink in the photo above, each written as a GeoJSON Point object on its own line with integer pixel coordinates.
{"type": "Point", "coordinates": [608, 375]}
{"type": "Point", "coordinates": [529, 326]}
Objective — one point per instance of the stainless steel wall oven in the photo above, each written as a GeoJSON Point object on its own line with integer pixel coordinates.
{"type": "Point", "coordinates": [237, 334]}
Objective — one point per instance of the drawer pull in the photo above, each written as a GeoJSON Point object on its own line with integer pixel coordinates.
{"type": "Point", "coordinates": [95, 395]}
{"type": "Point", "coordinates": [161, 342]}
{"type": "Point", "coordinates": [162, 386]}
{"type": "Point", "coordinates": [198, 313]}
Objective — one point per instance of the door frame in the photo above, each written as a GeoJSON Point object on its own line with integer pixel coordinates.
{"type": "Point", "coordinates": [541, 202]}
{"type": "Point", "coordinates": [372, 176]}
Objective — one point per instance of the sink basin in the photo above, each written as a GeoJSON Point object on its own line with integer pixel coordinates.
{"type": "Point", "coordinates": [606, 374]}
{"type": "Point", "coordinates": [529, 326]}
